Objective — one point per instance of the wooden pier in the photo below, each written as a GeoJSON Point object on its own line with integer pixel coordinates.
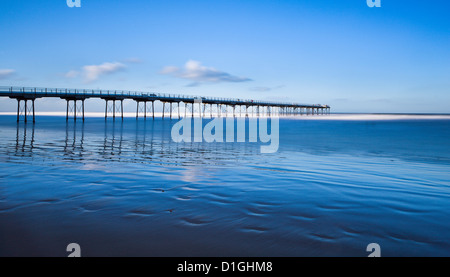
{"type": "Point", "coordinates": [145, 104]}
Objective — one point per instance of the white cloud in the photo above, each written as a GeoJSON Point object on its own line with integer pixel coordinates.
{"type": "Point", "coordinates": [72, 74]}
{"type": "Point", "coordinates": [92, 73]}
{"type": "Point", "coordinates": [6, 73]}
{"type": "Point", "coordinates": [194, 71]}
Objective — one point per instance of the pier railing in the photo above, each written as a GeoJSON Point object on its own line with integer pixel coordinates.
{"type": "Point", "coordinates": [61, 92]}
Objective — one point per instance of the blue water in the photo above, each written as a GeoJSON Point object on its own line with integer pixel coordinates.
{"type": "Point", "coordinates": [126, 189]}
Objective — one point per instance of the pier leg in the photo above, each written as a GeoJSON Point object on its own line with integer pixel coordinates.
{"type": "Point", "coordinates": [18, 109]}
{"type": "Point", "coordinates": [82, 106]}
{"type": "Point", "coordinates": [121, 108]}
{"type": "Point", "coordinates": [164, 108]}
{"type": "Point", "coordinates": [75, 110]}
{"type": "Point", "coordinates": [114, 109]}
{"type": "Point", "coordinates": [26, 111]}
{"type": "Point", "coordinates": [137, 109]}
{"type": "Point", "coordinates": [153, 109]}
{"type": "Point", "coordinates": [170, 110]}
{"type": "Point", "coordinates": [34, 119]}
{"type": "Point", "coordinates": [178, 106]}
{"type": "Point", "coordinates": [145, 110]}
{"type": "Point", "coordinates": [67, 110]}
{"type": "Point", "coordinates": [106, 109]}
{"type": "Point", "coordinates": [192, 112]}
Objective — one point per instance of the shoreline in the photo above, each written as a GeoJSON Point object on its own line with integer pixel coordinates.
{"type": "Point", "coordinates": [333, 116]}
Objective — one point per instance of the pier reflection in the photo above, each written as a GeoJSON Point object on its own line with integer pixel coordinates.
{"type": "Point", "coordinates": [73, 146]}
{"type": "Point", "coordinates": [144, 142]}
{"type": "Point", "coordinates": [112, 141]}
{"type": "Point", "coordinates": [24, 140]}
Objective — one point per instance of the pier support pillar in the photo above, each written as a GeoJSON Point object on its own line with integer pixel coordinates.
{"type": "Point", "coordinates": [24, 110]}
{"type": "Point", "coordinates": [164, 109]}
{"type": "Point", "coordinates": [82, 107]}
{"type": "Point", "coordinates": [111, 108]}
{"type": "Point", "coordinates": [73, 110]}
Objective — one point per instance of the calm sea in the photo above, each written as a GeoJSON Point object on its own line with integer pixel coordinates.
{"type": "Point", "coordinates": [126, 189]}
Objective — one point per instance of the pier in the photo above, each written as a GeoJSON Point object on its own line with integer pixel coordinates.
{"type": "Point", "coordinates": [145, 104]}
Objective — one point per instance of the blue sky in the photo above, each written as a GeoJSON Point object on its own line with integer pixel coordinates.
{"type": "Point", "coordinates": [357, 59]}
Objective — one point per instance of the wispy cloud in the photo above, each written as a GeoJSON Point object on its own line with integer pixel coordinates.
{"type": "Point", "coordinates": [265, 89]}
{"type": "Point", "coordinates": [195, 71]}
{"type": "Point", "coordinates": [72, 74]}
{"type": "Point", "coordinates": [6, 73]}
{"type": "Point", "coordinates": [91, 73]}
